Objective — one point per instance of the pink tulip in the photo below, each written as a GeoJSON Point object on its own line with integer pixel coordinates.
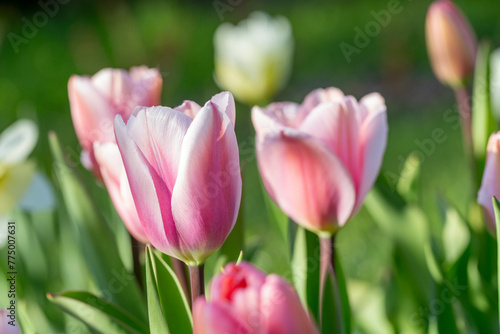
{"type": "Point", "coordinates": [451, 43]}
{"type": "Point", "coordinates": [490, 185]}
{"type": "Point", "coordinates": [243, 300]}
{"type": "Point", "coordinates": [7, 325]}
{"type": "Point", "coordinates": [114, 176]}
{"type": "Point", "coordinates": [96, 100]}
{"type": "Point", "coordinates": [318, 160]}
{"type": "Point", "coordinates": [184, 172]}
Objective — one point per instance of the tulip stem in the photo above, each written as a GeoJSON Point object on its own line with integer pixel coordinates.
{"type": "Point", "coordinates": [197, 275]}
{"type": "Point", "coordinates": [327, 264]}
{"type": "Point", "coordinates": [180, 271]}
{"type": "Point", "coordinates": [464, 108]}
{"type": "Point", "coordinates": [136, 254]}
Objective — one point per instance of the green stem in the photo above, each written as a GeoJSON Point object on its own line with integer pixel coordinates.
{"type": "Point", "coordinates": [180, 271]}
{"type": "Point", "coordinates": [197, 276]}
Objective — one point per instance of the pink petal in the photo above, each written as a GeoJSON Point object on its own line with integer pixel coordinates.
{"type": "Point", "coordinates": [215, 318]}
{"type": "Point", "coordinates": [225, 103]}
{"type": "Point", "coordinates": [189, 108]}
{"type": "Point", "coordinates": [115, 178]}
{"type": "Point", "coordinates": [151, 194]}
{"type": "Point", "coordinates": [281, 309]}
{"type": "Point", "coordinates": [91, 113]}
{"type": "Point", "coordinates": [490, 185]}
{"type": "Point", "coordinates": [373, 140]}
{"type": "Point", "coordinates": [207, 193]}
{"type": "Point", "coordinates": [275, 117]}
{"type": "Point", "coordinates": [159, 133]}
{"type": "Point", "coordinates": [337, 125]}
{"type": "Point", "coordinates": [147, 87]}
{"type": "Point", "coordinates": [307, 181]}
{"type": "Point", "coordinates": [319, 96]}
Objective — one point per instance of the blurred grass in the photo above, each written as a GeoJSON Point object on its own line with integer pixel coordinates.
{"type": "Point", "coordinates": [176, 37]}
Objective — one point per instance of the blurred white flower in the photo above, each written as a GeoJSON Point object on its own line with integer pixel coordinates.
{"type": "Point", "coordinates": [253, 60]}
{"type": "Point", "coordinates": [20, 184]}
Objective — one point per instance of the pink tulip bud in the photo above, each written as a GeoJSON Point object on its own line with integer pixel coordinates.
{"type": "Point", "coordinates": [8, 322]}
{"type": "Point", "coordinates": [115, 178]}
{"type": "Point", "coordinates": [451, 43]}
{"type": "Point", "coordinates": [96, 100]}
{"type": "Point", "coordinates": [184, 172]}
{"type": "Point", "coordinates": [490, 185]}
{"type": "Point", "coordinates": [318, 160]}
{"type": "Point", "coordinates": [243, 300]}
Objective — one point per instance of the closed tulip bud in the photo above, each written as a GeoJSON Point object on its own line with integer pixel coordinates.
{"type": "Point", "coordinates": [244, 300]}
{"type": "Point", "coordinates": [451, 43]}
{"type": "Point", "coordinates": [115, 178]}
{"type": "Point", "coordinates": [183, 168]}
{"type": "Point", "coordinates": [490, 185]}
{"type": "Point", "coordinates": [96, 100]}
{"type": "Point", "coordinates": [253, 59]}
{"type": "Point", "coordinates": [318, 160]}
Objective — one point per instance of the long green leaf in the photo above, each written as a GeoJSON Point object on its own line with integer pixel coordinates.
{"type": "Point", "coordinates": [97, 313]}
{"type": "Point", "coordinates": [496, 206]}
{"type": "Point", "coordinates": [483, 123]}
{"type": "Point", "coordinates": [157, 322]}
{"type": "Point", "coordinates": [96, 239]}
{"type": "Point", "coordinates": [173, 302]}
{"type": "Point", "coordinates": [306, 269]}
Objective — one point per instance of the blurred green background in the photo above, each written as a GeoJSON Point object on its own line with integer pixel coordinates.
{"type": "Point", "coordinates": [83, 37]}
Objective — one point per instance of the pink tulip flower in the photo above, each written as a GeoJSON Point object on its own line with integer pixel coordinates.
{"type": "Point", "coordinates": [184, 172]}
{"type": "Point", "coordinates": [96, 100]}
{"type": "Point", "coordinates": [490, 185]}
{"type": "Point", "coordinates": [451, 43]}
{"type": "Point", "coordinates": [318, 160]}
{"type": "Point", "coordinates": [243, 300]}
{"type": "Point", "coordinates": [114, 176]}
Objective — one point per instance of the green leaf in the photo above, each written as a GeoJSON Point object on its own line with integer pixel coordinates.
{"type": "Point", "coordinates": [235, 241]}
{"type": "Point", "coordinates": [306, 269]}
{"type": "Point", "coordinates": [95, 238]}
{"type": "Point", "coordinates": [157, 321]}
{"type": "Point", "coordinates": [276, 216]}
{"type": "Point", "coordinates": [173, 302]}
{"type": "Point", "coordinates": [496, 206]}
{"type": "Point", "coordinates": [332, 318]}
{"type": "Point", "coordinates": [407, 185]}
{"type": "Point", "coordinates": [344, 298]}
{"type": "Point", "coordinates": [97, 313]}
{"type": "Point", "coordinates": [483, 123]}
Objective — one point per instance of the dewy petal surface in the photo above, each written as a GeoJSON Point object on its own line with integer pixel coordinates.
{"type": "Point", "coordinates": [306, 179]}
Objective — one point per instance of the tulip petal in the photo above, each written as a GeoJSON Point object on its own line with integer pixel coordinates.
{"type": "Point", "coordinates": [337, 124]}
{"type": "Point", "coordinates": [490, 185]}
{"type": "Point", "coordinates": [281, 309]}
{"type": "Point", "coordinates": [115, 178]}
{"type": "Point", "coordinates": [91, 112]}
{"type": "Point", "coordinates": [189, 108]}
{"type": "Point", "coordinates": [225, 102]}
{"type": "Point", "coordinates": [275, 117]}
{"type": "Point", "coordinates": [320, 95]}
{"type": "Point", "coordinates": [373, 140]}
{"type": "Point", "coordinates": [159, 133]}
{"type": "Point", "coordinates": [215, 318]}
{"type": "Point", "coordinates": [308, 182]}
{"type": "Point", "coordinates": [207, 192]}
{"type": "Point", "coordinates": [151, 194]}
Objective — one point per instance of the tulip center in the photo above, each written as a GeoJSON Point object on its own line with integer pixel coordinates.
{"type": "Point", "coordinates": [230, 284]}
